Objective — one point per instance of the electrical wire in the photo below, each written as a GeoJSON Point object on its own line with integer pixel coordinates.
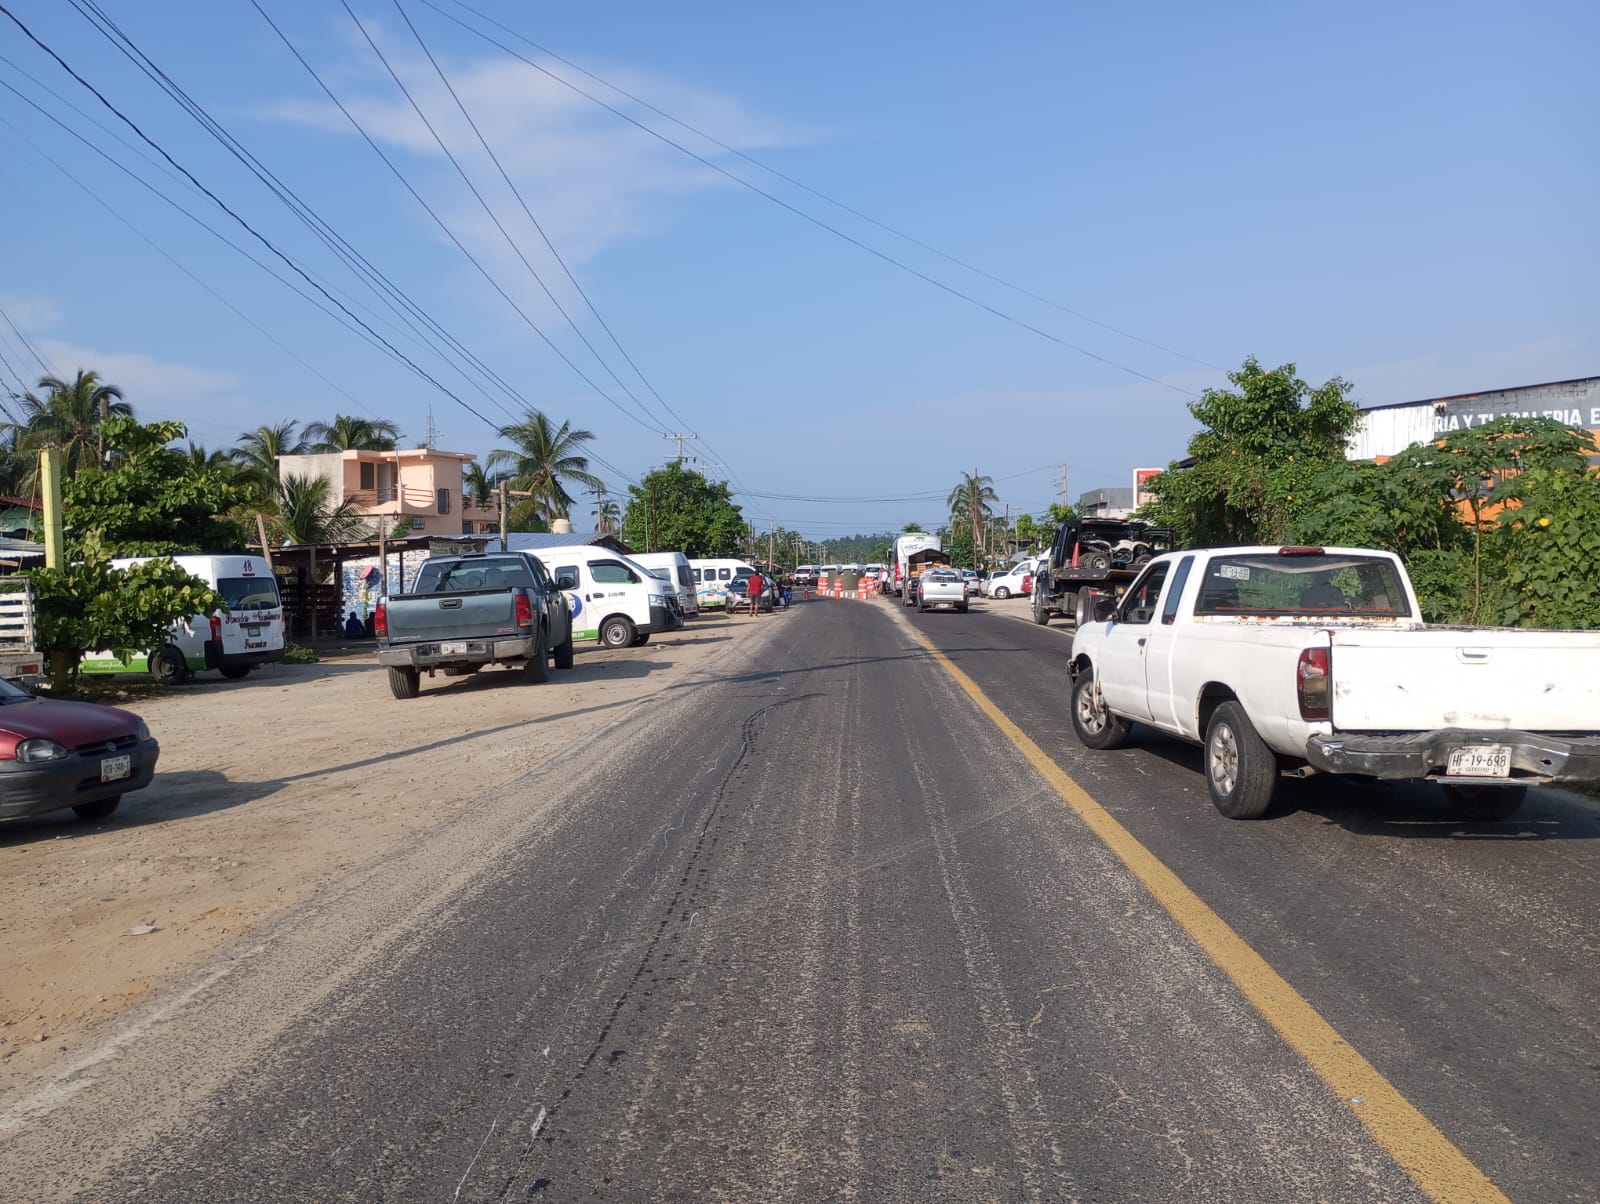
{"type": "Point", "coordinates": [23, 339]}
{"type": "Point", "coordinates": [822, 196]}
{"type": "Point", "coordinates": [818, 222]}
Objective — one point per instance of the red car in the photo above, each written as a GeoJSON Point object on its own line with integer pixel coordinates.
{"type": "Point", "coordinates": [55, 755]}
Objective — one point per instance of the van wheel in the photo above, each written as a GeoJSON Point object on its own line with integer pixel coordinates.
{"type": "Point", "coordinates": [98, 809]}
{"type": "Point", "coordinates": [1095, 726]}
{"type": "Point", "coordinates": [234, 672]}
{"type": "Point", "coordinates": [1001, 592]}
{"type": "Point", "coordinates": [536, 669]}
{"type": "Point", "coordinates": [404, 682]}
{"type": "Point", "coordinates": [1241, 771]}
{"type": "Point", "coordinates": [563, 652]}
{"type": "Point", "coordinates": [616, 632]}
{"type": "Point", "coordinates": [168, 667]}
{"type": "Point", "coordinates": [1485, 802]}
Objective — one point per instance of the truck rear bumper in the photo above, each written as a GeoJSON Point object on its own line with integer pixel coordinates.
{"type": "Point", "coordinates": [434, 654]}
{"type": "Point", "coordinates": [1535, 756]}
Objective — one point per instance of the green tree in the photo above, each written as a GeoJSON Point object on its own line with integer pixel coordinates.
{"type": "Point", "coordinates": [1257, 451]}
{"type": "Point", "coordinates": [1057, 513]}
{"type": "Point", "coordinates": [88, 604]}
{"type": "Point", "coordinates": [348, 432]}
{"type": "Point", "coordinates": [608, 516]}
{"type": "Point", "coordinates": [970, 507]}
{"type": "Point", "coordinates": [1027, 530]}
{"type": "Point", "coordinates": [680, 511]}
{"type": "Point", "coordinates": [71, 416]}
{"type": "Point", "coordinates": [912, 528]}
{"type": "Point", "coordinates": [478, 485]}
{"type": "Point", "coordinates": [306, 513]}
{"type": "Point", "coordinates": [150, 499]}
{"type": "Point", "coordinates": [257, 452]}
{"type": "Point", "coordinates": [544, 460]}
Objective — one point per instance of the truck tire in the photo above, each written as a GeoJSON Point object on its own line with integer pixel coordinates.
{"type": "Point", "coordinates": [563, 652]}
{"type": "Point", "coordinates": [1082, 608]}
{"type": "Point", "coordinates": [168, 667]}
{"type": "Point", "coordinates": [536, 669]}
{"type": "Point", "coordinates": [1095, 726]}
{"type": "Point", "coordinates": [1241, 771]}
{"type": "Point", "coordinates": [1041, 606]}
{"type": "Point", "coordinates": [404, 682]}
{"type": "Point", "coordinates": [1485, 803]}
{"type": "Point", "coordinates": [617, 632]}
{"type": "Point", "coordinates": [1001, 592]}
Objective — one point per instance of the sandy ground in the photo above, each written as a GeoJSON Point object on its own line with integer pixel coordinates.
{"type": "Point", "coordinates": [267, 790]}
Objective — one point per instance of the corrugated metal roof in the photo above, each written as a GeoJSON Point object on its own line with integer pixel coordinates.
{"type": "Point", "coordinates": [532, 541]}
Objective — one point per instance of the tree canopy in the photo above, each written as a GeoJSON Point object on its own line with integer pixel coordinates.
{"type": "Point", "coordinates": [679, 510]}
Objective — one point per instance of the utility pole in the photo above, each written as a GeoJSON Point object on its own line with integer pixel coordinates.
{"type": "Point", "coordinates": [1060, 483]}
{"type": "Point", "coordinates": [680, 439]}
{"type": "Point", "coordinates": [505, 517]}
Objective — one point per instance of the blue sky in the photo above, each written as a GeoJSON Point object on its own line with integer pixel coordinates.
{"type": "Point", "coordinates": [1402, 195]}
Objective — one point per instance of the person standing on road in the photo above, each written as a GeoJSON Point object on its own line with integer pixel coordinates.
{"type": "Point", "coordinates": [756, 587]}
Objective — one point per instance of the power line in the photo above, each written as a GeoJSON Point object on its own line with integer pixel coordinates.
{"type": "Point", "coordinates": [23, 339]}
{"type": "Point", "coordinates": [813, 220]}
{"type": "Point", "coordinates": [804, 187]}
{"type": "Point", "coordinates": [216, 200]}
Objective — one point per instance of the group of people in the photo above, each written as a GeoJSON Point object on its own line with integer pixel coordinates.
{"type": "Point", "coordinates": [756, 585]}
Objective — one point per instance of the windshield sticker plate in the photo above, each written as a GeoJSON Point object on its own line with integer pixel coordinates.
{"type": "Point", "coordinates": [1236, 572]}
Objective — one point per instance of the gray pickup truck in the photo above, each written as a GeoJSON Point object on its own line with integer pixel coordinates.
{"type": "Point", "coordinates": [468, 611]}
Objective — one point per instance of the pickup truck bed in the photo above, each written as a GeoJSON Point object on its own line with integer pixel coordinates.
{"type": "Point", "coordinates": [941, 587]}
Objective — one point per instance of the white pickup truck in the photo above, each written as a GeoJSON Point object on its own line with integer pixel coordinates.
{"type": "Point", "coordinates": [1313, 660]}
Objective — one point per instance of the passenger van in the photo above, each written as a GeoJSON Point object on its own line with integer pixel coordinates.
{"type": "Point", "coordinates": [250, 632]}
{"type": "Point", "coordinates": [673, 567]}
{"type": "Point", "coordinates": [711, 579]}
{"type": "Point", "coordinates": [612, 599]}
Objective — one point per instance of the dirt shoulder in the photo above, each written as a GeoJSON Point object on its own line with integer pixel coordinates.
{"type": "Point", "coordinates": [269, 789]}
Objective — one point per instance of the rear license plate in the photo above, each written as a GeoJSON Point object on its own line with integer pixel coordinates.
{"type": "Point", "coordinates": [1479, 761]}
{"type": "Point", "coordinates": [252, 631]}
{"type": "Point", "coordinates": [114, 769]}
{"type": "Point", "coordinates": [453, 648]}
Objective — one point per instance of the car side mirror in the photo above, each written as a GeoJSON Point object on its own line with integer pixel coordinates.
{"type": "Point", "coordinates": [1105, 610]}
{"type": "Point", "coordinates": [566, 581]}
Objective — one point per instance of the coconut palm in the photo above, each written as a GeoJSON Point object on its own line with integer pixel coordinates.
{"type": "Point", "coordinates": [479, 485]}
{"type": "Point", "coordinates": [69, 415]}
{"type": "Point", "coordinates": [349, 433]}
{"type": "Point", "coordinates": [305, 513]}
{"type": "Point", "coordinates": [969, 504]}
{"type": "Point", "coordinates": [608, 516]}
{"type": "Point", "coordinates": [256, 453]}
{"type": "Point", "coordinates": [543, 461]}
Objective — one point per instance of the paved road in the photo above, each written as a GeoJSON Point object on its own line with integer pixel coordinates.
{"type": "Point", "coordinates": [814, 929]}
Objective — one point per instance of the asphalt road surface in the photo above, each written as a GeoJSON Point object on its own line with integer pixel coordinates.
{"type": "Point", "coordinates": [817, 927]}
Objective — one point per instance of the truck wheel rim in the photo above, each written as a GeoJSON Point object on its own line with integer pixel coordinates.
{"type": "Point", "coordinates": [1090, 712]}
{"type": "Point", "coordinates": [1224, 759]}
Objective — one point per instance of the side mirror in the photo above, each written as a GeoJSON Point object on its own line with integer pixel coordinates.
{"type": "Point", "coordinates": [566, 581]}
{"type": "Point", "coordinates": [1105, 610]}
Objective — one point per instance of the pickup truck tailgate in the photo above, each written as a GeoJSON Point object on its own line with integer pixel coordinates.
{"type": "Point", "coordinates": [451, 615]}
{"type": "Point", "coordinates": [1475, 678]}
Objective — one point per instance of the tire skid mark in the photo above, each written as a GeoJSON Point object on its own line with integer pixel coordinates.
{"type": "Point", "coordinates": [1002, 1032]}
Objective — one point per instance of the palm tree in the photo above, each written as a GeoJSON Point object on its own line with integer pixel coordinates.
{"type": "Point", "coordinates": [969, 503]}
{"type": "Point", "coordinates": [608, 516]}
{"type": "Point", "coordinates": [305, 513]}
{"type": "Point", "coordinates": [479, 485]}
{"type": "Point", "coordinates": [544, 459]}
{"type": "Point", "coordinates": [69, 416]}
{"type": "Point", "coordinates": [257, 452]}
{"type": "Point", "coordinates": [349, 433]}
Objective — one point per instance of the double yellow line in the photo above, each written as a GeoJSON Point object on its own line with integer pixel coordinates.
{"type": "Point", "coordinates": [1443, 1172]}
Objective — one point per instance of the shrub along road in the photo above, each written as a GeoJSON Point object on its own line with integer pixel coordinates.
{"type": "Point", "coordinates": [816, 928]}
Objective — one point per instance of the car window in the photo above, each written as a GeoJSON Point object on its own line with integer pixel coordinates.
{"type": "Point", "coordinates": [566, 570]}
{"type": "Point", "coordinates": [1139, 604]}
{"type": "Point", "coordinates": [249, 593]}
{"type": "Point", "coordinates": [611, 572]}
{"type": "Point", "coordinates": [1169, 608]}
{"type": "Point", "coordinates": [724, 574]}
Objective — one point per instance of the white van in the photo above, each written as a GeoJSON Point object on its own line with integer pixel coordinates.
{"type": "Point", "coordinates": [248, 633]}
{"type": "Point", "coordinates": [612, 599]}
{"type": "Point", "coordinates": [673, 567]}
{"type": "Point", "coordinates": [711, 579]}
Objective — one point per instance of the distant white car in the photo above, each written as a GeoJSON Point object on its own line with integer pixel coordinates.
{"type": "Point", "coordinates": [1004, 585]}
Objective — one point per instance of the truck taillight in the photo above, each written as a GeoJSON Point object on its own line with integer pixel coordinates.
{"type": "Point", "coordinates": [524, 611]}
{"type": "Point", "coordinates": [216, 628]}
{"type": "Point", "coordinates": [1313, 679]}
{"type": "Point", "coordinates": [380, 621]}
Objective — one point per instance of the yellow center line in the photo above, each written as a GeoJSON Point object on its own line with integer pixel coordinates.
{"type": "Point", "coordinates": [1409, 1137]}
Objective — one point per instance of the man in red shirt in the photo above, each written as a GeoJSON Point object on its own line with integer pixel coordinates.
{"type": "Point", "coordinates": [756, 587]}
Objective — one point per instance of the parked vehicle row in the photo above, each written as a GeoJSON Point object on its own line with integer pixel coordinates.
{"type": "Point", "coordinates": [1316, 660]}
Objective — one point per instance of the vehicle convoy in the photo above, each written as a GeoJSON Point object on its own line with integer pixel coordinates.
{"type": "Point", "coordinates": [711, 578]}
{"type": "Point", "coordinates": [248, 633]}
{"type": "Point", "coordinates": [472, 610]}
{"type": "Point", "coordinates": [1090, 557]}
{"type": "Point", "coordinates": [941, 586]}
{"type": "Point", "coordinates": [910, 554]}
{"type": "Point", "coordinates": [1316, 660]}
{"type": "Point", "coordinates": [674, 567]}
